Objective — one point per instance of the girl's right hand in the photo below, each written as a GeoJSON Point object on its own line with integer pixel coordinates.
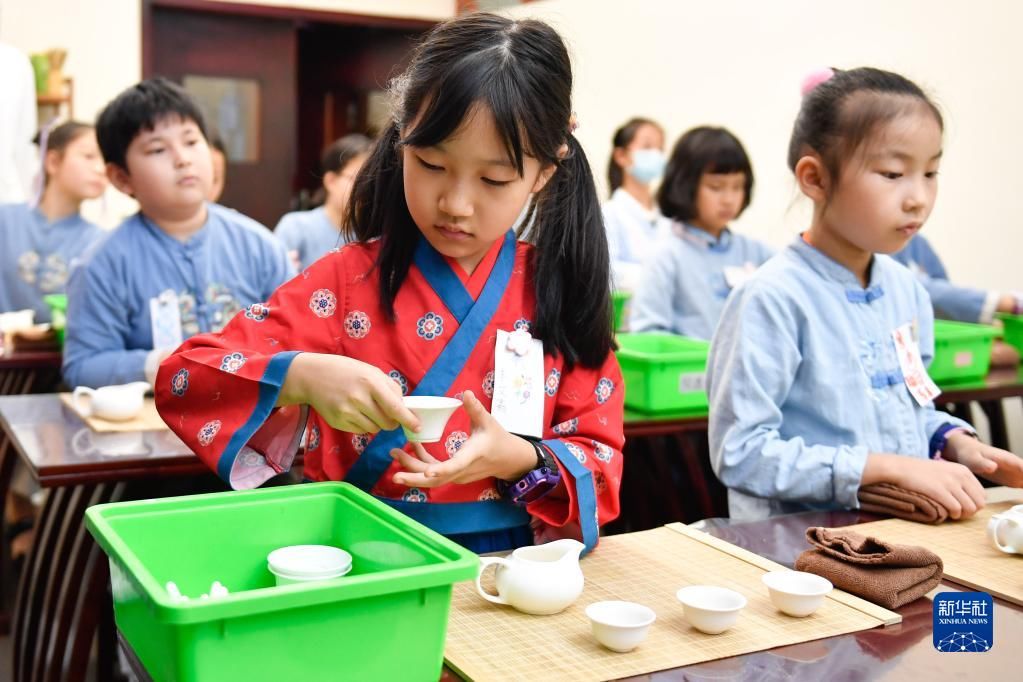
{"type": "Point", "coordinates": [350, 395]}
{"type": "Point", "coordinates": [951, 485]}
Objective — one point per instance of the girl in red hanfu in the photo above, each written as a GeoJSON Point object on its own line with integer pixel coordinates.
{"type": "Point", "coordinates": [436, 296]}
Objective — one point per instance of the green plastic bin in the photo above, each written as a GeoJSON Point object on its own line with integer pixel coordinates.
{"type": "Point", "coordinates": [58, 313]}
{"type": "Point", "coordinates": [620, 299]}
{"type": "Point", "coordinates": [962, 351]}
{"type": "Point", "coordinates": [385, 620]}
{"type": "Point", "coordinates": [663, 372]}
{"type": "Point", "coordinates": [1012, 330]}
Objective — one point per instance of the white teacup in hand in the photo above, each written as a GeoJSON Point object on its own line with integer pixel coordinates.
{"type": "Point", "coordinates": [433, 412]}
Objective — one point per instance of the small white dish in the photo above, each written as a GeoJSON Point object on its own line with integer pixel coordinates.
{"type": "Point", "coordinates": [620, 625]}
{"type": "Point", "coordinates": [433, 412]}
{"type": "Point", "coordinates": [796, 593]}
{"type": "Point", "coordinates": [307, 563]}
{"type": "Point", "coordinates": [711, 609]}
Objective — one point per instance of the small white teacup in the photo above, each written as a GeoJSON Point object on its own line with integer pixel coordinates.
{"type": "Point", "coordinates": [433, 412]}
{"type": "Point", "coordinates": [796, 593]}
{"type": "Point", "coordinates": [113, 403]}
{"type": "Point", "coordinates": [711, 609]}
{"type": "Point", "coordinates": [308, 563]}
{"type": "Point", "coordinates": [1005, 530]}
{"type": "Point", "coordinates": [620, 625]}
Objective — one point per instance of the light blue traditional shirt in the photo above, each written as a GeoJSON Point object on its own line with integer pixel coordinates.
{"type": "Point", "coordinates": [36, 256]}
{"type": "Point", "coordinates": [632, 231]}
{"type": "Point", "coordinates": [310, 234]}
{"type": "Point", "coordinates": [688, 277]}
{"type": "Point", "coordinates": [951, 302]}
{"type": "Point", "coordinates": [229, 264]}
{"type": "Point", "coordinates": [804, 382]}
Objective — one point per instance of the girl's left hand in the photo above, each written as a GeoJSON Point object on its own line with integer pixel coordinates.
{"type": "Point", "coordinates": [489, 452]}
{"type": "Point", "coordinates": [984, 460]}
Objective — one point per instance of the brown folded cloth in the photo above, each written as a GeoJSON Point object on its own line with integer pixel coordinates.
{"type": "Point", "coordinates": [885, 498]}
{"type": "Point", "coordinates": [886, 574]}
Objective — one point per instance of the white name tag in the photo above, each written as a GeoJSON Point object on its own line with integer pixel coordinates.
{"type": "Point", "coordinates": [165, 319]}
{"type": "Point", "coordinates": [736, 275]}
{"type": "Point", "coordinates": [518, 383]}
{"type": "Point", "coordinates": [920, 385]}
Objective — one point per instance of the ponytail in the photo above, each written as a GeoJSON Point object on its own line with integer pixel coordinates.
{"type": "Point", "coordinates": [571, 265]}
{"type": "Point", "coordinates": [377, 208]}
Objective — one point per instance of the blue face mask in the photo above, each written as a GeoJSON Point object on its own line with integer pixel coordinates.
{"type": "Point", "coordinates": [647, 165]}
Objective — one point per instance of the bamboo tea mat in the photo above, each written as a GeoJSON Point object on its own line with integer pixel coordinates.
{"type": "Point", "coordinates": [970, 558]}
{"type": "Point", "coordinates": [146, 420]}
{"type": "Point", "coordinates": [490, 642]}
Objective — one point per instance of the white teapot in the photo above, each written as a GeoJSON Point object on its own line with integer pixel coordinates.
{"type": "Point", "coordinates": [540, 580]}
{"type": "Point", "coordinates": [1005, 530]}
{"type": "Point", "coordinates": [114, 403]}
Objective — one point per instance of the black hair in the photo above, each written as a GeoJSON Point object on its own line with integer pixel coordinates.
{"type": "Point", "coordinates": [58, 139]}
{"type": "Point", "coordinates": [623, 137]}
{"type": "Point", "coordinates": [839, 115]}
{"type": "Point", "coordinates": [701, 150]}
{"type": "Point", "coordinates": [520, 71]}
{"type": "Point", "coordinates": [141, 107]}
{"type": "Point", "coordinates": [337, 155]}
{"type": "Point", "coordinates": [216, 141]}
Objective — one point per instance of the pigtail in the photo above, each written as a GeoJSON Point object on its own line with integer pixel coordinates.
{"type": "Point", "coordinates": [572, 273]}
{"type": "Point", "coordinates": [377, 209]}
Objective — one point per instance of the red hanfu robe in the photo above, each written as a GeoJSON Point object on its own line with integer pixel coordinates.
{"type": "Point", "coordinates": [217, 391]}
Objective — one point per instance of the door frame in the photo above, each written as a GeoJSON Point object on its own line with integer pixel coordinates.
{"type": "Point", "coordinates": [295, 14]}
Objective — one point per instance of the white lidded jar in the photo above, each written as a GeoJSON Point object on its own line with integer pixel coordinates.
{"type": "Point", "coordinates": [307, 563]}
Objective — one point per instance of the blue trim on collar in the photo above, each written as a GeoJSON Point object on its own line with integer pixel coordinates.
{"type": "Point", "coordinates": [376, 458]}
{"type": "Point", "coordinates": [884, 379]}
{"type": "Point", "coordinates": [444, 282]}
{"type": "Point", "coordinates": [585, 493]}
{"type": "Point", "coordinates": [269, 387]}
{"type": "Point", "coordinates": [868, 295]}
{"type": "Point", "coordinates": [459, 518]}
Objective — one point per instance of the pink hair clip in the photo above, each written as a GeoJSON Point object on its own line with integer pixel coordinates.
{"type": "Point", "coordinates": [815, 78]}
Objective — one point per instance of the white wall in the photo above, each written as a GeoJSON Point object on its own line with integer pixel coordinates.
{"type": "Point", "coordinates": [739, 64]}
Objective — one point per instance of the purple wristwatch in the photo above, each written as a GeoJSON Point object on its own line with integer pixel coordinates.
{"type": "Point", "coordinates": [536, 483]}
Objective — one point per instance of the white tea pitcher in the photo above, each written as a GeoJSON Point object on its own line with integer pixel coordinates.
{"type": "Point", "coordinates": [113, 403]}
{"type": "Point", "coordinates": [540, 580]}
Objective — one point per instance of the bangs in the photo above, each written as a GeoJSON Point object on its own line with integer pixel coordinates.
{"type": "Point", "coordinates": [474, 81]}
{"type": "Point", "coordinates": [726, 158]}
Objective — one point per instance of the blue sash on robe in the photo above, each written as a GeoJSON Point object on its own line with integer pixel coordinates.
{"type": "Point", "coordinates": [466, 518]}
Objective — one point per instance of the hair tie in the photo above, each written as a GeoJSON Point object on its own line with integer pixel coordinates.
{"type": "Point", "coordinates": [573, 123]}
{"type": "Point", "coordinates": [815, 78]}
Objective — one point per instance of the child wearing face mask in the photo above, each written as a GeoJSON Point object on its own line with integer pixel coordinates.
{"type": "Point", "coordinates": [708, 184]}
{"type": "Point", "coordinates": [631, 216]}
{"type": "Point", "coordinates": [816, 373]}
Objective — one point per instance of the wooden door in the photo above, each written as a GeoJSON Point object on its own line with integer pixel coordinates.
{"type": "Point", "coordinates": [243, 71]}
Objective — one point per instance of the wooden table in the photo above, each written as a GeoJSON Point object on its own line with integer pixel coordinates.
{"type": "Point", "coordinates": [989, 392]}
{"type": "Point", "coordinates": [20, 373]}
{"type": "Point", "coordinates": [63, 599]}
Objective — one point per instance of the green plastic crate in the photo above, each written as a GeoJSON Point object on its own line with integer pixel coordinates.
{"type": "Point", "coordinates": [620, 300]}
{"type": "Point", "coordinates": [58, 313]}
{"type": "Point", "coordinates": [386, 619]}
{"type": "Point", "coordinates": [663, 372]}
{"type": "Point", "coordinates": [962, 351]}
{"type": "Point", "coordinates": [1012, 330]}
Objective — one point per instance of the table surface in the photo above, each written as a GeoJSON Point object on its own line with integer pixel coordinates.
{"type": "Point", "coordinates": [898, 652]}
{"type": "Point", "coordinates": [60, 449]}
